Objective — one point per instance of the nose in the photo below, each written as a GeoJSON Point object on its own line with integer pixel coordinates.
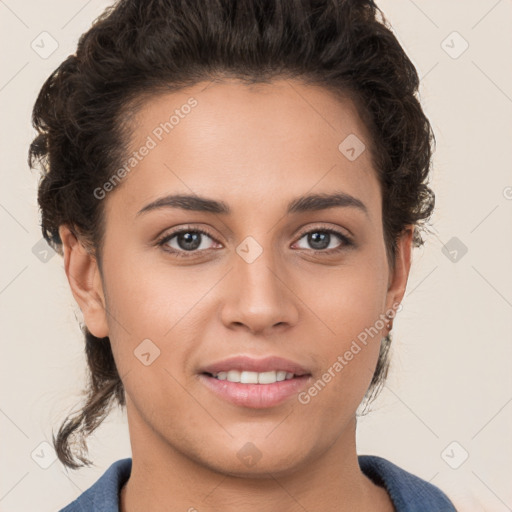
{"type": "Point", "coordinates": [259, 296]}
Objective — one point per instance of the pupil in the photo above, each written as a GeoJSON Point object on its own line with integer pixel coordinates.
{"type": "Point", "coordinates": [318, 239]}
{"type": "Point", "coordinates": [190, 241]}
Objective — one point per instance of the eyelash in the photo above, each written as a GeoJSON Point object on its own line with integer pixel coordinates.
{"type": "Point", "coordinates": [161, 242]}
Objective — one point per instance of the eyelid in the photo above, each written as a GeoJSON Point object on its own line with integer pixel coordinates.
{"type": "Point", "coordinates": [325, 227]}
{"type": "Point", "coordinates": [347, 241]}
{"type": "Point", "coordinates": [163, 239]}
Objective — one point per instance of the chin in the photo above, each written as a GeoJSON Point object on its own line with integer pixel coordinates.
{"type": "Point", "coordinates": [255, 459]}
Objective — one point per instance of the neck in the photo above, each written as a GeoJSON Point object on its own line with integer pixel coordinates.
{"type": "Point", "coordinates": [164, 479]}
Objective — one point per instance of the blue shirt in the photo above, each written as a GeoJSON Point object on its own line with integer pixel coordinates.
{"type": "Point", "coordinates": [408, 492]}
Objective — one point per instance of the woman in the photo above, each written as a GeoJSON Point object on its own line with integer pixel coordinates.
{"type": "Point", "coordinates": [236, 188]}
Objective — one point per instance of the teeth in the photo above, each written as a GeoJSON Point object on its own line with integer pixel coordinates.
{"type": "Point", "coordinates": [254, 377]}
{"type": "Point", "coordinates": [233, 376]}
{"type": "Point", "coordinates": [280, 375]}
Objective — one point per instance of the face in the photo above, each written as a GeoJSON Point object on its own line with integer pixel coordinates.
{"type": "Point", "coordinates": [261, 274]}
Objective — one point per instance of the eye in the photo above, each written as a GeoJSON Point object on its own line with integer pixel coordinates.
{"type": "Point", "coordinates": [185, 241]}
{"type": "Point", "coordinates": [321, 239]}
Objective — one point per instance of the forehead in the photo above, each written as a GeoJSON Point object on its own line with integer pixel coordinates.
{"type": "Point", "coordinates": [248, 145]}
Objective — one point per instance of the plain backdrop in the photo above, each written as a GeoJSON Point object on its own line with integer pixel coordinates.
{"type": "Point", "coordinates": [446, 411]}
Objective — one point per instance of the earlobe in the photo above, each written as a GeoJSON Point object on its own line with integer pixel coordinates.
{"type": "Point", "coordinates": [84, 279]}
{"type": "Point", "coordinates": [400, 275]}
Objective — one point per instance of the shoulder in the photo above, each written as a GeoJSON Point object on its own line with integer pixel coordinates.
{"type": "Point", "coordinates": [408, 492]}
{"type": "Point", "coordinates": [103, 495]}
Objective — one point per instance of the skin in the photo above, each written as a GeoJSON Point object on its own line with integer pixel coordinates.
{"type": "Point", "coordinates": [240, 144]}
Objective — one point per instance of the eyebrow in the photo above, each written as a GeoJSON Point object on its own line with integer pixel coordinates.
{"type": "Point", "coordinates": [307, 203]}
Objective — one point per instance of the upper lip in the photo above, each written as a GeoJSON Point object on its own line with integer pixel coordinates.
{"type": "Point", "coordinates": [250, 364]}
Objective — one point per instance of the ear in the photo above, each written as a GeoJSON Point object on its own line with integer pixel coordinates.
{"type": "Point", "coordinates": [398, 277]}
{"type": "Point", "coordinates": [85, 281]}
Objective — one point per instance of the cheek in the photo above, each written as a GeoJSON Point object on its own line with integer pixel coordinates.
{"type": "Point", "coordinates": [155, 316]}
{"type": "Point", "coordinates": [350, 307]}
{"type": "Point", "coordinates": [349, 299]}
{"type": "Point", "coordinates": [348, 357]}
{"type": "Point", "coordinates": [150, 296]}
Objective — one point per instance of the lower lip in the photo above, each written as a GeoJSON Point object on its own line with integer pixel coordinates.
{"type": "Point", "coordinates": [255, 396]}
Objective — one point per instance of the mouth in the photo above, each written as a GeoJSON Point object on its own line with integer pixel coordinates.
{"type": "Point", "coordinates": [255, 383]}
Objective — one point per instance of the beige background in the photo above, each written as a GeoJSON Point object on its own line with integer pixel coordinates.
{"type": "Point", "coordinates": [451, 379]}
